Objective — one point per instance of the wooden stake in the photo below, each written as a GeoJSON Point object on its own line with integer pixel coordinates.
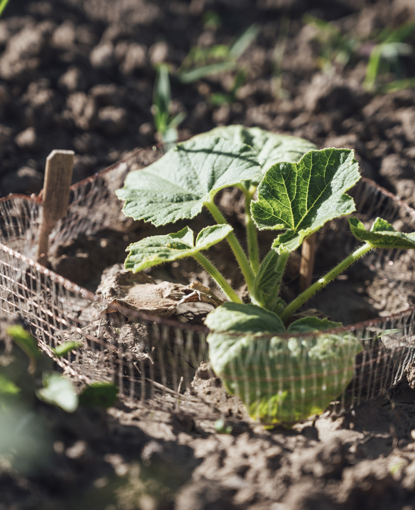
{"type": "Point", "coordinates": [58, 177]}
{"type": "Point", "coordinates": [307, 262]}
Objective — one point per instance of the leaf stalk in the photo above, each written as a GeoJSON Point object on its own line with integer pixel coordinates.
{"type": "Point", "coordinates": [218, 277]}
{"type": "Point", "coordinates": [235, 246]}
{"type": "Point", "coordinates": [251, 231]}
{"type": "Point", "coordinates": [325, 280]}
{"type": "Point", "coordinates": [280, 269]}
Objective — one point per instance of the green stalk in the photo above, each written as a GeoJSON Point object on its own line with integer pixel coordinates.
{"type": "Point", "coordinates": [279, 269]}
{"type": "Point", "coordinates": [322, 282]}
{"type": "Point", "coordinates": [3, 5]}
{"type": "Point", "coordinates": [218, 277]}
{"type": "Point", "coordinates": [236, 247]}
{"type": "Point", "coordinates": [251, 231]}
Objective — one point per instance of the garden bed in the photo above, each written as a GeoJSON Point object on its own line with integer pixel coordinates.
{"type": "Point", "coordinates": [170, 417]}
{"type": "Point", "coordinates": [147, 335]}
{"type": "Point", "coordinates": [135, 456]}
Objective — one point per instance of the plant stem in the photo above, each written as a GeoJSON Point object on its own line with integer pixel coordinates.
{"type": "Point", "coordinates": [322, 282]}
{"type": "Point", "coordinates": [218, 277]}
{"type": "Point", "coordinates": [3, 5]}
{"type": "Point", "coordinates": [251, 231]}
{"type": "Point", "coordinates": [308, 251]}
{"type": "Point", "coordinates": [279, 269]}
{"type": "Point", "coordinates": [236, 247]}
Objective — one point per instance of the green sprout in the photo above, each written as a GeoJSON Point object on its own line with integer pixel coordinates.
{"type": "Point", "coordinates": [203, 62]}
{"type": "Point", "coordinates": [166, 124]}
{"type": "Point", "coordinates": [55, 388]}
{"type": "Point", "coordinates": [385, 53]}
{"type": "Point", "coordinates": [336, 48]}
{"type": "Point", "coordinates": [278, 57]}
{"type": "Point", "coordinates": [385, 58]}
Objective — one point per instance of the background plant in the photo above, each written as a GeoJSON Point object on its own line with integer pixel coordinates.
{"type": "Point", "coordinates": [385, 58]}
{"type": "Point", "coordinates": [3, 5]}
{"type": "Point", "coordinates": [335, 48]}
{"type": "Point", "coordinates": [384, 51]}
{"type": "Point", "coordinates": [203, 62]}
{"type": "Point", "coordinates": [165, 123]}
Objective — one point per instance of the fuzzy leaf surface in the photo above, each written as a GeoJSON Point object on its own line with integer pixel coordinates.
{"type": "Point", "coordinates": [270, 148]}
{"type": "Point", "coordinates": [382, 234]}
{"type": "Point", "coordinates": [279, 379]}
{"type": "Point", "coordinates": [155, 250]}
{"type": "Point", "coordinates": [301, 197]}
{"type": "Point", "coordinates": [177, 185]}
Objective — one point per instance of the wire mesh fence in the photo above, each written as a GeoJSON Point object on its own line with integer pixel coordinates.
{"type": "Point", "coordinates": [163, 364]}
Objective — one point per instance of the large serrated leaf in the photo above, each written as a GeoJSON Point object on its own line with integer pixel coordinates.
{"type": "Point", "coordinates": [382, 235]}
{"type": "Point", "coordinates": [177, 185]}
{"type": "Point", "coordinates": [301, 197]}
{"type": "Point", "coordinates": [270, 148]}
{"type": "Point", "coordinates": [155, 250]}
{"type": "Point", "coordinates": [279, 379]}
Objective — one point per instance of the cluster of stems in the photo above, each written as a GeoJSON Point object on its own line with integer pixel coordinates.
{"type": "Point", "coordinates": [250, 264]}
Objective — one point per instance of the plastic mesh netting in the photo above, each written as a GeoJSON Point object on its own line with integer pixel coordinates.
{"type": "Point", "coordinates": [163, 364]}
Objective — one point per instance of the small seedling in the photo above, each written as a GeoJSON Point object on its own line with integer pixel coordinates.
{"type": "Point", "coordinates": [166, 124]}
{"type": "Point", "coordinates": [384, 52]}
{"type": "Point", "coordinates": [203, 62]}
{"type": "Point", "coordinates": [277, 59]}
{"type": "Point", "coordinates": [298, 190]}
{"type": "Point", "coordinates": [55, 388]}
{"type": "Point", "coordinates": [336, 48]}
{"type": "Point", "coordinates": [385, 57]}
{"type": "Point", "coordinates": [220, 98]}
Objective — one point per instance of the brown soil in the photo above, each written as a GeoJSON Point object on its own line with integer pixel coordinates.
{"type": "Point", "coordinates": [78, 75]}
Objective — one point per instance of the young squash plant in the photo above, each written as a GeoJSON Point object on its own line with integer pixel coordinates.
{"type": "Point", "coordinates": [289, 187]}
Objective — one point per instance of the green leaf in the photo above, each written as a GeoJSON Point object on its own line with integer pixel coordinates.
{"type": "Point", "coordinates": [244, 318]}
{"type": "Point", "coordinates": [27, 343]}
{"type": "Point", "coordinates": [242, 43]}
{"type": "Point", "coordinates": [58, 391]}
{"type": "Point", "coordinates": [178, 184]}
{"type": "Point", "coordinates": [99, 394]}
{"type": "Point", "coordinates": [159, 249]}
{"type": "Point", "coordinates": [3, 5]}
{"type": "Point", "coordinates": [67, 347]}
{"type": "Point", "coordinates": [197, 73]}
{"type": "Point", "coordinates": [283, 380]}
{"type": "Point", "coordinates": [307, 324]}
{"type": "Point", "coordinates": [7, 387]}
{"type": "Point", "coordinates": [381, 235]}
{"type": "Point", "coordinates": [279, 379]}
{"type": "Point", "coordinates": [24, 340]}
{"type": "Point", "coordinates": [301, 197]}
{"type": "Point", "coordinates": [270, 148]}
{"type": "Point", "coordinates": [162, 93]}
{"type": "Point", "coordinates": [267, 281]}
